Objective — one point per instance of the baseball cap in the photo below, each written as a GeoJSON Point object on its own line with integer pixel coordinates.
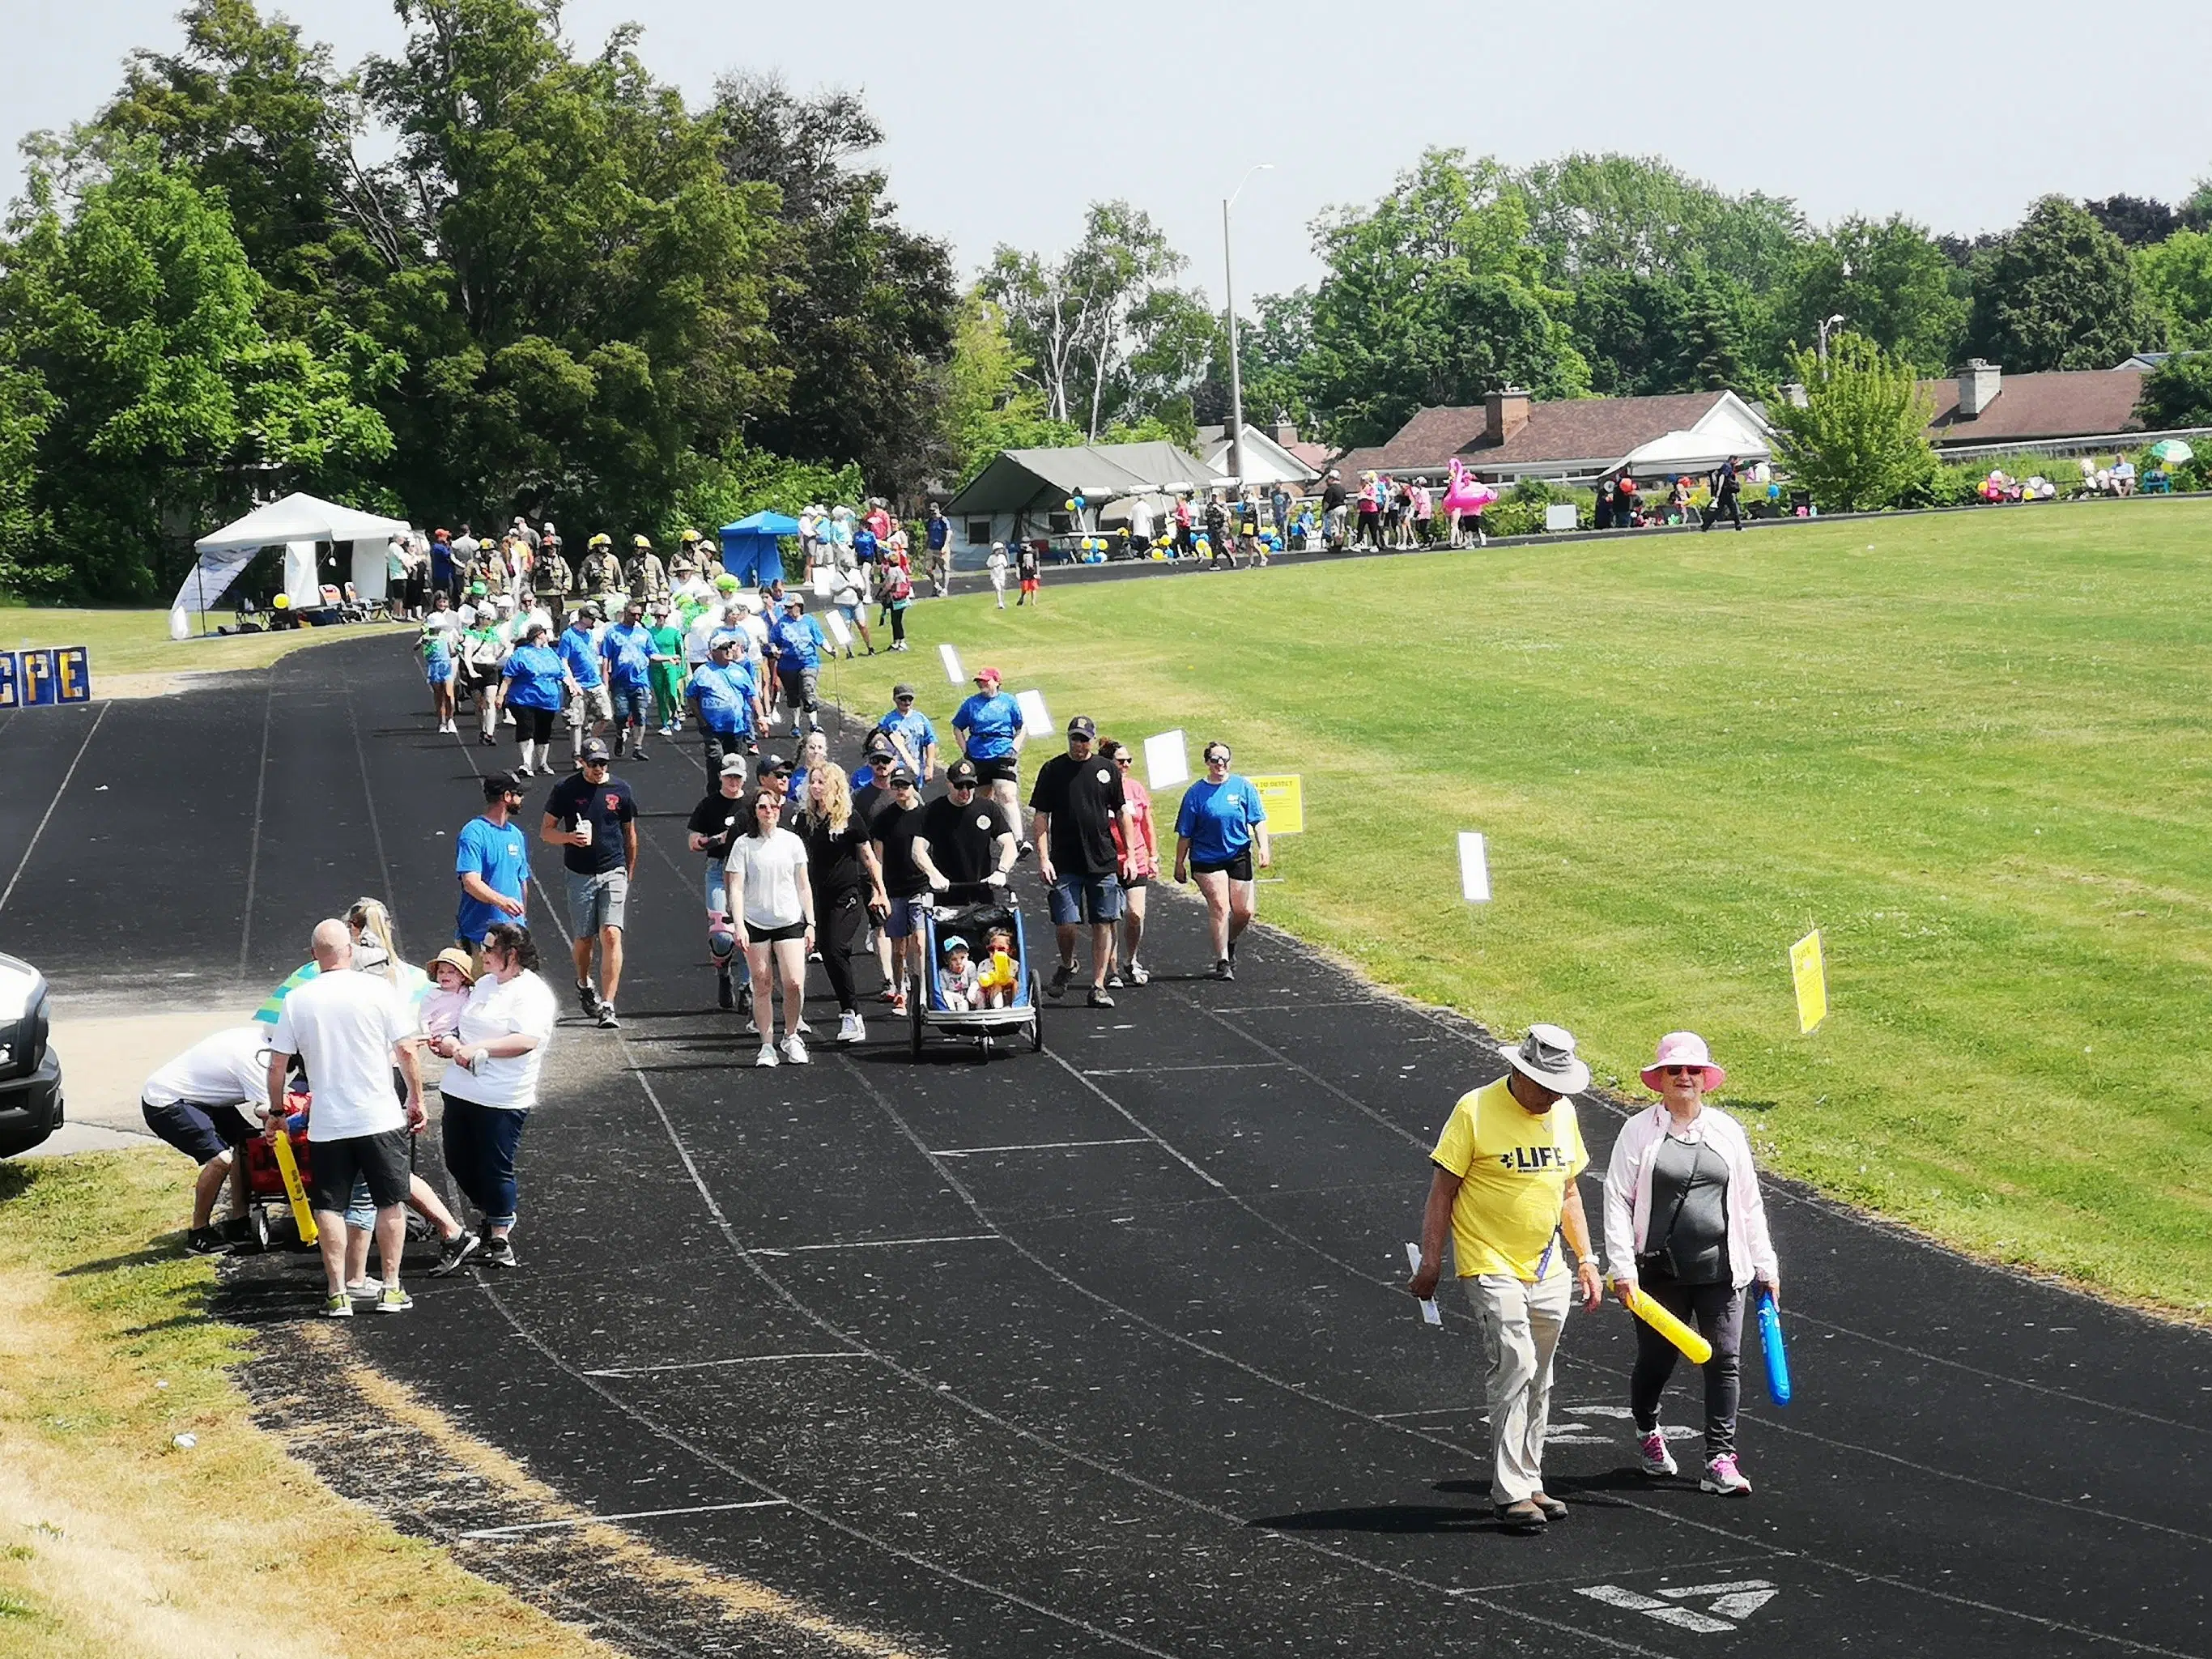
{"type": "Point", "coordinates": [779, 764]}
{"type": "Point", "coordinates": [899, 775]}
{"type": "Point", "coordinates": [961, 775]}
{"type": "Point", "coordinates": [901, 690]}
{"type": "Point", "coordinates": [496, 784]}
{"type": "Point", "coordinates": [595, 748]}
{"type": "Point", "coordinates": [798, 599]}
{"type": "Point", "coordinates": [1080, 726]}
{"type": "Point", "coordinates": [988, 673]}
{"type": "Point", "coordinates": [733, 763]}
{"type": "Point", "coordinates": [722, 640]}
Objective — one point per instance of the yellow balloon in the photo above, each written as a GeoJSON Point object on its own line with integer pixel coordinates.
{"type": "Point", "coordinates": [1070, 503]}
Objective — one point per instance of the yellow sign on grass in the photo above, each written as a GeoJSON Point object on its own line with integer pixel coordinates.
{"type": "Point", "coordinates": [1810, 970]}
{"type": "Point", "coordinates": [1284, 795]}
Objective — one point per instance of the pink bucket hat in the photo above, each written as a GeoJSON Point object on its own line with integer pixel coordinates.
{"type": "Point", "coordinates": [1683, 1048]}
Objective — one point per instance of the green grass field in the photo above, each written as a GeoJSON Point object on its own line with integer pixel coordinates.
{"type": "Point", "coordinates": [1968, 747]}
{"type": "Point", "coordinates": [138, 642]}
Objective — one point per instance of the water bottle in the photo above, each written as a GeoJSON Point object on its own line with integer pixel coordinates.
{"type": "Point", "coordinates": [1778, 1358]}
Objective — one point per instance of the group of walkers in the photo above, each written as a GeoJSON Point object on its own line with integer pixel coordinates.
{"type": "Point", "coordinates": [803, 862]}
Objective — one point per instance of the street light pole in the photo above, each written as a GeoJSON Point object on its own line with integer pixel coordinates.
{"type": "Point", "coordinates": [1827, 322]}
{"type": "Point", "coordinates": [1229, 293]}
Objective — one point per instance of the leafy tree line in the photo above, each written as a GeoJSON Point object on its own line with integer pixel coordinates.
{"type": "Point", "coordinates": [1607, 276]}
{"type": "Point", "coordinates": [567, 294]}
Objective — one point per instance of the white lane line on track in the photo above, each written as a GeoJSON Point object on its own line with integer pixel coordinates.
{"type": "Point", "coordinates": [633, 1515]}
{"type": "Point", "coordinates": [1036, 1147]}
{"type": "Point", "coordinates": [710, 1364]}
{"type": "Point", "coordinates": [1146, 1071]}
{"type": "Point", "coordinates": [875, 1243]}
{"type": "Point", "coordinates": [253, 845]}
{"type": "Point", "coordinates": [368, 795]}
{"type": "Point", "coordinates": [24, 862]}
{"type": "Point", "coordinates": [917, 1380]}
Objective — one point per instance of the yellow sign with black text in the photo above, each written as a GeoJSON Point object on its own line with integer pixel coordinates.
{"type": "Point", "coordinates": [1284, 795]}
{"type": "Point", "coordinates": [1809, 970]}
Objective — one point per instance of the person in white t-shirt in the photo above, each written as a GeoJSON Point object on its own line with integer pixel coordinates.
{"type": "Point", "coordinates": [203, 1103]}
{"type": "Point", "coordinates": [491, 1084]}
{"type": "Point", "coordinates": [771, 904]}
{"type": "Point", "coordinates": [348, 1030]}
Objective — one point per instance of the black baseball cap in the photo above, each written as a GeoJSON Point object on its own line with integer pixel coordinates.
{"type": "Point", "coordinates": [899, 775]}
{"type": "Point", "coordinates": [961, 775]}
{"type": "Point", "coordinates": [496, 784]}
{"type": "Point", "coordinates": [1080, 726]}
{"type": "Point", "coordinates": [594, 748]}
{"type": "Point", "coordinates": [776, 763]}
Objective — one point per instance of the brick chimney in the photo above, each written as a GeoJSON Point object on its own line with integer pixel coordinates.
{"type": "Point", "coordinates": [1285, 433]}
{"type": "Point", "coordinates": [1978, 386]}
{"type": "Point", "coordinates": [1505, 413]}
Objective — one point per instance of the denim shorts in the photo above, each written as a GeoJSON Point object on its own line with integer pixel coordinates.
{"type": "Point", "coordinates": [1094, 899]}
{"type": "Point", "coordinates": [632, 703]}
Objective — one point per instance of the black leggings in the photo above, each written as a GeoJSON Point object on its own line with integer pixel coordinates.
{"type": "Point", "coordinates": [898, 624]}
{"type": "Point", "coordinates": [1371, 530]}
{"type": "Point", "coordinates": [840, 919]}
{"type": "Point", "coordinates": [1717, 1312]}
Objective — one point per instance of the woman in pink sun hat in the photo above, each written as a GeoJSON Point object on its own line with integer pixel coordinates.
{"type": "Point", "coordinates": [1685, 1222]}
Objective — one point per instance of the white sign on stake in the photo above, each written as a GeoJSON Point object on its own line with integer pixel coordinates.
{"type": "Point", "coordinates": [1473, 868]}
{"type": "Point", "coordinates": [1036, 719]}
{"type": "Point", "coordinates": [952, 669]}
{"type": "Point", "coordinates": [1167, 760]}
{"type": "Point", "coordinates": [825, 580]}
{"type": "Point", "coordinates": [835, 622]}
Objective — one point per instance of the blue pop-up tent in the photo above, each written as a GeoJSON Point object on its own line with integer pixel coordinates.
{"type": "Point", "coordinates": [748, 549]}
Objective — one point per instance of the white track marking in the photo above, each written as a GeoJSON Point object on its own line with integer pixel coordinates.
{"type": "Point", "coordinates": [23, 863]}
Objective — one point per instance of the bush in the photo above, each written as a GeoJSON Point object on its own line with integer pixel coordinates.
{"type": "Point", "coordinates": [1519, 511]}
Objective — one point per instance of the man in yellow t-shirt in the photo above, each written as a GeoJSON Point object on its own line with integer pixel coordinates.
{"type": "Point", "coordinates": [1504, 1183]}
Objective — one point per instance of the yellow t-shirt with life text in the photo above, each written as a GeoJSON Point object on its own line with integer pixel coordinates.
{"type": "Point", "coordinates": [1514, 1166]}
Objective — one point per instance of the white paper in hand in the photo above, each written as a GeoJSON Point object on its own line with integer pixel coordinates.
{"type": "Point", "coordinates": [951, 662]}
{"type": "Point", "coordinates": [1036, 719]}
{"type": "Point", "coordinates": [840, 634]}
{"type": "Point", "coordinates": [1473, 868]}
{"type": "Point", "coordinates": [825, 580]}
{"type": "Point", "coordinates": [1429, 1312]}
{"type": "Point", "coordinates": [1167, 760]}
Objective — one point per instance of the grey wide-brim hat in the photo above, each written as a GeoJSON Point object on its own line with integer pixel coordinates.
{"type": "Point", "coordinates": [1547, 1056]}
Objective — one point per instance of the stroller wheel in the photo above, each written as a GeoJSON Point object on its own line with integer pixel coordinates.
{"type": "Point", "coordinates": [983, 1049]}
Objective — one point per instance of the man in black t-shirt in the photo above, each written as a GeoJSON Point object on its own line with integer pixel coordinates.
{"type": "Point", "coordinates": [590, 817]}
{"type": "Point", "coordinates": [1333, 498]}
{"type": "Point", "coordinates": [896, 825]}
{"type": "Point", "coordinates": [1077, 802]}
{"type": "Point", "coordinates": [965, 839]}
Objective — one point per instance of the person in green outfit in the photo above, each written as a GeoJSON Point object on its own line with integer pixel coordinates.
{"type": "Point", "coordinates": [667, 668]}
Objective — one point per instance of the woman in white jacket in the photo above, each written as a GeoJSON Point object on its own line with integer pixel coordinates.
{"type": "Point", "coordinates": [1684, 1222]}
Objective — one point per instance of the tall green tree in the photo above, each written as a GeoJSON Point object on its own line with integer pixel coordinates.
{"type": "Point", "coordinates": [1073, 319]}
{"type": "Point", "coordinates": [594, 308]}
{"type": "Point", "coordinates": [139, 315]}
{"type": "Point", "coordinates": [1860, 440]}
{"type": "Point", "coordinates": [2177, 393]}
{"type": "Point", "coordinates": [1433, 296]}
{"type": "Point", "coordinates": [1890, 282]}
{"type": "Point", "coordinates": [2177, 275]}
{"type": "Point", "coordinates": [860, 308]}
{"type": "Point", "coordinates": [27, 564]}
{"type": "Point", "coordinates": [1640, 216]}
{"type": "Point", "coordinates": [988, 404]}
{"type": "Point", "coordinates": [2059, 291]}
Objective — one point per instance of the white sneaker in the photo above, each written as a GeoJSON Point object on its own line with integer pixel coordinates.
{"type": "Point", "coordinates": [795, 1051]}
{"type": "Point", "coordinates": [851, 1028]}
{"type": "Point", "coordinates": [1722, 1476]}
{"type": "Point", "coordinates": [1652, 1456]}
{"type": "Point", "coordinates": [766, 1056]}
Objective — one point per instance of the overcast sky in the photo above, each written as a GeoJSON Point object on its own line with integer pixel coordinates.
{"type": "Point", "coordinates": [1003, 120]}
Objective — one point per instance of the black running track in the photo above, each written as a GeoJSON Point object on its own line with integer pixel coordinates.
{"type": "Point", "coordinates": [1105, 1351]}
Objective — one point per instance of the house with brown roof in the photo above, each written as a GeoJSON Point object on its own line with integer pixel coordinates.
{"type": "Point", "coordinates": [1511, 437]}
{"type": "Point", "coordinates": [1983, 410]}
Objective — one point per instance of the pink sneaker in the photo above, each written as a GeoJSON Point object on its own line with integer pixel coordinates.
{"type": "Point", "coordinates": [1722, 1476]}
{"type": "Point", "coordinates": [1653, 1457]}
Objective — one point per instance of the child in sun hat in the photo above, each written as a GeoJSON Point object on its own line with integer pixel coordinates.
{"type": "Point", "coordinates": [452, 977]}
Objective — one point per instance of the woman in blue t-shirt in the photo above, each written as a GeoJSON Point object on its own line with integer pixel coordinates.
{"type": "Point", "coordinates": [535, 684]}
{"type": "Point", "coordinates": [1221, 837]}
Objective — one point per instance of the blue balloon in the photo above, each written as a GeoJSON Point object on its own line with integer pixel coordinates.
{"type": "Point", "coordinates": [1777, 1359]}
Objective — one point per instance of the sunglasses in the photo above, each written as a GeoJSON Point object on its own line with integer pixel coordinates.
{"type": "Point", "coordinates": [1217, 760]}
{"type": "Point", "coordinates": [1683, 1071]}
{"type": "Point", "coordinates": [901, 699]}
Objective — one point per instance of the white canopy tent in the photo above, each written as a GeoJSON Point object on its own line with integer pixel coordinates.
{"type": "Point", "coordinates": [1694, 452]}
{"type": "Point", "coordinates": [298, 521]}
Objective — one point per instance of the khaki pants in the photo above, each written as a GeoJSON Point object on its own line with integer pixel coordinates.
{"type": "Point", "coordinates": [1521, 1326]}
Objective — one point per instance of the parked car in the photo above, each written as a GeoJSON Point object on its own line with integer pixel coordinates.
{"type": "Point", "coordinates": [30, 1071]}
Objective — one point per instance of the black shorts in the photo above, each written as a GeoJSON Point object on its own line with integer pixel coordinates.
{"type": "Point", "coordinates": [200, 1132]}
{"type": "Point", "coordinates": [773, 935]}
{"type": "Point", "coordinates": [1006, 769]}
{"type": "Point", "coordinates": [379, 1160]}
{"type": "Point", "coordinates": [532, 724]}
{"type": "Point", "coordinates": [1237, 869]}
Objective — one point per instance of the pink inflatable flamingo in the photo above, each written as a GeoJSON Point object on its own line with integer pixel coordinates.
{"type": "Point", "coordinates": [1464, 497]}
